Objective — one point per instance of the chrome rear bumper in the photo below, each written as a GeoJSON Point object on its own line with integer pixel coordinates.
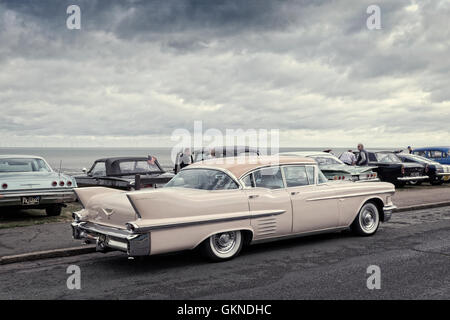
{"type": "Point", "coordinates": [387, 210]}
{"type": "Point", "coordinates": [47, 196]}
{"type": "Point", "coordinates": [413, 178]}
{"type": "Point", "coordinates": [134, 244]}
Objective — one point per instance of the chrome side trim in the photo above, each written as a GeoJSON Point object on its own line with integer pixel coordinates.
{"type": "Point", "coordinates": [413, 178]}
{"type": "Point", "coordinates": [200, 222]}
{"type": "Point", "coordinates": [349, 195]}
{"type": "Point", "coordinates": [297, 235]}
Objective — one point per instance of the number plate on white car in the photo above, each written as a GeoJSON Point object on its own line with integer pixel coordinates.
{"type": "Point", "coordinates": [28, 201]}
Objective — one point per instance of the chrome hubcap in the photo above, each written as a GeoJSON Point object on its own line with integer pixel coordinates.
{"type": "Point", "coordinates": [369, 219]}
{"type": "Point", "coordinates": [224, 242]}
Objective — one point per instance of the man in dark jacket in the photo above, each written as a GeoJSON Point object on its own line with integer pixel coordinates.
{"type": "Point", "coordinates": [363, 157]}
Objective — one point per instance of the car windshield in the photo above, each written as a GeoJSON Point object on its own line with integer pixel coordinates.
{"type": "Point", "coordinates": [387, 158]}
{"type": "Point", "coordinates": [205, 179]}
{"type": "Point", "coordinates": [323, 161]}
{"type": "Point", "coordinates": [23, 165]}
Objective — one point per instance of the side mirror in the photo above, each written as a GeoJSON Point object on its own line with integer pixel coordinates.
{"type": "Point", "coordinates": [84, 170]}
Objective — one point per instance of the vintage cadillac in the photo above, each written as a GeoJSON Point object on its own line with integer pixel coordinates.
{"type": "Point", "coordinates": [29, 182]}
{"type": "Point", "coordinates": [220, 205]}
{"type": "Point", "coordinates": [334, 169]}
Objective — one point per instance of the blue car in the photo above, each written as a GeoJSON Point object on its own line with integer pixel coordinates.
{"type": "Point", "coordinates": [29, 182]}
{"type": "Point", "coordinates": [437, 154]}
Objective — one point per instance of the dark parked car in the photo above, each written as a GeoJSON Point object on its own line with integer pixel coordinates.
{"type": "Point", "coordinates": [437, 172]}
{"type": "Point", "coordinates": [391, 169]}
{"type": "Point", "coordinates": [204, 153]}
{"type": "Point", "coordinates": [126, 173]}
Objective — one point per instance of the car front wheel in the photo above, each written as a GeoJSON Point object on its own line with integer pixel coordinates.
{"type": "Point", "coordinates": [223, 246]}
{"type": "Point", "coordinates": [367, 221]}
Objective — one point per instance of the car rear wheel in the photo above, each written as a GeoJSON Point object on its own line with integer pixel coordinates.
{"type": "Point", "coordinates": [223, 246]}
{"type": "Point", "coordinates": [415, 183]}
{"type": "Point", "coordinates": [367, 221]}
{"type": "Point", "coordinates": [53, 211]}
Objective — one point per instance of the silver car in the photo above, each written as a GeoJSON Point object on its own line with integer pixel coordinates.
{"type": "Point", "coordinates": [29, 182]}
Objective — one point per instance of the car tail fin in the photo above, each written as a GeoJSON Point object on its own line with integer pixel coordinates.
{"type": "Point", "coordinates": [84, 194]}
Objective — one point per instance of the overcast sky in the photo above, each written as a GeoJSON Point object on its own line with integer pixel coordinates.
{"type": "Point", "coordinates": [138, 70]}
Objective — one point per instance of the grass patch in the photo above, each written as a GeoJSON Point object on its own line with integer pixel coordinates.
{"type": "Point", "coordinates": [11, 218]}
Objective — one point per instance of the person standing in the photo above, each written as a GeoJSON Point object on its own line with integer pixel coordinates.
{"type": "Point", "coordinates": [363, 156]}
{"type": "Point", "coordinates": [348, 157]}
{"type": "Point", "coordinates": [410, 150]}
{"type": "Point", "coordinates": [186, 158]}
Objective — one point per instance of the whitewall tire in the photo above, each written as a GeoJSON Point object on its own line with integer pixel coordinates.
{"type": "Point", "coordinates": [367, 221]}
{"type": "Point", "coordinates": [223, 246]}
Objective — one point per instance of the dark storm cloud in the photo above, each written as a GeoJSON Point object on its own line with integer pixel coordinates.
{"type": "Point", "coordinates": [149, 67]}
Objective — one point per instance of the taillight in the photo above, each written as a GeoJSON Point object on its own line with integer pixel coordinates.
{"type": "Point", "coordinates": [69, 183]}
{"type": "Point", "coordinates": [4, 186]}
{"type": "Point", "coordinates": [343, 177]}
{"type": "Point", "coordinates": [427, 168]}
{"type": "Point", "coordinates": [403, 170]}
{"type": "Point", "coordinates": [61, 183]}
{"type": "Point", "coordinates": [54, 183]}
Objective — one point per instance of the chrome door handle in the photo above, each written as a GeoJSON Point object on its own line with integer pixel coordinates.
{"type": "Point", "coordinates": [293, 193]}
{"type": "Point", "coordinates": [253, 196]}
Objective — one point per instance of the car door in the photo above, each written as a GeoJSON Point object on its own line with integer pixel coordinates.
{"type": "Point", "coordinates": [267, 194]}
{"type": "Point", "coordinates": [314, 205]}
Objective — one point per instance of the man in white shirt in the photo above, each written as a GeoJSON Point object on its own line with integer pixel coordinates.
{"type": "Point", "coordinates": [348, 157]}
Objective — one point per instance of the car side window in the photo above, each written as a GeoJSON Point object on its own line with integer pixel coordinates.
{"type": "Point", "coordinates": [99, 169]}
{"type": "Point", "coordinates": [372, 157]}
{"type": "Point", "coordinates": [248, 181]}
{"type": "Point", "coordinates": [270, 178]}
{"type": "Point", "coordinates": [310, 173]}
{"type": "Point", "coordinates": [321, 177]}
{"type": "Point", "coordinates": [435, 154]}
{"type": "Point", "coordinates": [296, 176]}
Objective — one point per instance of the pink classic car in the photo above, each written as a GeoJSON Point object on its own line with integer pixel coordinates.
{"type": "Point", "coordinates": [221, 205]}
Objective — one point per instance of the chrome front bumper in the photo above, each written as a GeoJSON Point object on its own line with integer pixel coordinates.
{"type": "Point", "coordinates": [47, 196]}
{"type": "Point", "coordinates": [134, 244]}
{"type": "Point", "coordinates": [443, 174]}
{"type": "Point", "coordinates": [387, 210]}
{"type": "Point", "coordinates": [413, 178]}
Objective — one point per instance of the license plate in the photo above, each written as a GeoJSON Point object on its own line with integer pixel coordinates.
{"type": "Point", "coordinates": [415, 174]}
{"type": "Point", "coordinates": [28, 201]}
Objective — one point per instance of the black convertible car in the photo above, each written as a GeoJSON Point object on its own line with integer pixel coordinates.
{"type": "Point", "coordinates": [391, 169]}
{"type": "Point", "coordinates": [435, 171]}
{"type": "Point", "coordinates": [126, 173]}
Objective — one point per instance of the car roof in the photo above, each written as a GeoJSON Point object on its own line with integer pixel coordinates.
{"type": "Point", "coordinates": [306, 153]}
{"type": "Point", "coordinates": [238, 166]}
{"type": "Point", "coordinates": [26, 156]}
{"type": "Point", "coordinates": [112, 159]}
{"type": "Point", "coordinates": [432, 148]}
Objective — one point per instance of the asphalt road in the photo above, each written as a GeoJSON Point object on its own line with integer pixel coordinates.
{"type": "Point", "coordinates": [412, 251]}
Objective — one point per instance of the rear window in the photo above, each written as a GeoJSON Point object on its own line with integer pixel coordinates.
{"type": "Point", "coordinates": [140, 166]}
{"type": "Point", "coordinates": [23, 165]}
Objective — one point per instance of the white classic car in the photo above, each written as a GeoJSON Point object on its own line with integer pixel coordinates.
{"type": "Point", "coordinates": [29, 182]}
{"type": "Point", "coordinates": [221, 205]}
